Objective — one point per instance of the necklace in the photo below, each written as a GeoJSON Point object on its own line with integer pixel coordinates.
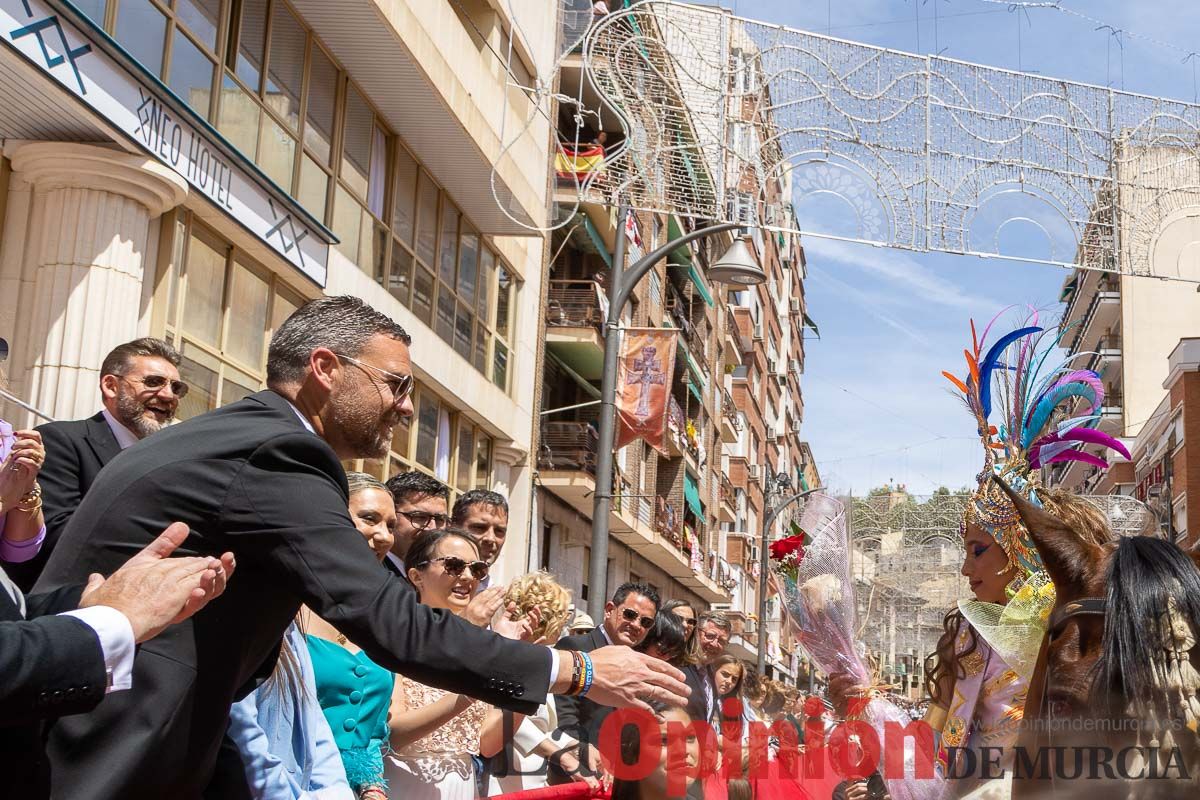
{"type": "Point", "coordinates": [341, 639]}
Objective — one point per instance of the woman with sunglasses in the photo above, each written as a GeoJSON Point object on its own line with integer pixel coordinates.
{"type": "Point", "coordinates": [687, 615]}
{"type": "Point", "coordinates": [435, 734]}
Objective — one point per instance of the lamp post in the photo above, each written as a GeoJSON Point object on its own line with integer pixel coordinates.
{"type": "Point", "coordinates": [781, 483]}
{"type": "Point", "coordinates": [738, 266]}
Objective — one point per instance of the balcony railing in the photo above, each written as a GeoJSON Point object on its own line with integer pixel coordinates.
{"type": "Point", "coordinates": [568, 446]}
{"type": "Point", "coordinates": [729, 410]}
{"type": "Point", "coordinates": [574, 304]}
{"type": "Point", "coordinates": [668, 522]}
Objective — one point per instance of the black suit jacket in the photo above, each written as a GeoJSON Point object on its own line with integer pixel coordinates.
{"type": "Point", "coordinates": [248, 477]}
{"type": "Point", "coordinates": [579, 717]}
{"type": "Point", "coordinates": [698, 677]}
{"type": "Point", "coordinates": [49, 666]}
{"type": "Point", "coordinates": [75, 453]}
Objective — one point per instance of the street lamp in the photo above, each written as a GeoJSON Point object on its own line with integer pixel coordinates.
{"type": "Point", "coordinates": [775, 482]}
{"type": "Point", "coordinates": [737, 265]}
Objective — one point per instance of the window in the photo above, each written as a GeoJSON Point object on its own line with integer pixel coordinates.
{"type": "Point", "coordinates": [221, 311]}
{"type": "Point", "coordinates": [176, 40]}
{"type": "Point", "coordinates": [438, 441]}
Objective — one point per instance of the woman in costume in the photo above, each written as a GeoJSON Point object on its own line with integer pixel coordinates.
{"type": "Point", "coordinates": [979, 673]}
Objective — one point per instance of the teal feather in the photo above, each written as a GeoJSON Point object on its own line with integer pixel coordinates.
{"type": "Point", "coordinates": [1046, 405]}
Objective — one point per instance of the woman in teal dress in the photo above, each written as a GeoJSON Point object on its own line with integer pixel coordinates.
{"type": "Point", "coordinates": [353, 691]}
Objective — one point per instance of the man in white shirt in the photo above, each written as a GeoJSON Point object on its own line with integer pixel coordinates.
{"type": "Point", "coordinates": [140, 390]}
{"type": "Point", "coordinates": [61, 652]}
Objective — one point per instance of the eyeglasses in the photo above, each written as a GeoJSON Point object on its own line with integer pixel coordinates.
{"type": "Point", "coordinates": [155, 383]}
{"type": "Point", "coordinates": [454, 566]}
{"type": "Point", "coordinates": [401, 386]}
{"type": "Point", "coordinates": [632, 616]}
{"type": "Point", "coordinates": [421, 520]}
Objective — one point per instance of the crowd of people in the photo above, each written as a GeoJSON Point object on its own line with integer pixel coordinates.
{"type": "Point", "coordinates": [329, 669]}
{"type": "Point", "coordinates": [361, 651]}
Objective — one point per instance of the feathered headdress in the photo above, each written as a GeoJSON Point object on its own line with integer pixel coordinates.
{"type": "Point", "coordinates": [1037, 425]}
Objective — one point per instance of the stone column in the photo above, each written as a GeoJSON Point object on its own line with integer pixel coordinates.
{"type": "Point", "coordinates": [88, 244]}
{"type": "Point", "coordinates": [511, 479]}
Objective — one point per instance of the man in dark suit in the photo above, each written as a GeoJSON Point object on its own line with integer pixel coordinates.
{"type": "Point", "coordinates": [140, 390]}
{"type": "Point", "coordinates": [628, 616]}
{"type": "Point", "coordinates": [421, 503]}
{"type": "Point", "coordinates": [262, 477]}
{"type": "Point", "coordinates": [61, 652]}
{"type": "Point", "coordinates": [713, 630]}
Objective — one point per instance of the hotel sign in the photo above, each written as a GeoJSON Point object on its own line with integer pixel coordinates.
{"type": "Point", "coordinates": [134, 105]}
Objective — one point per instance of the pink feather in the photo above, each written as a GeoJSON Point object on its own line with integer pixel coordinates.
{"type": "Point", "coordinates": [1077, 455]}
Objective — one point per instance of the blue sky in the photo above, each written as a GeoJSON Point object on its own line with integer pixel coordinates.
{"type": "Point", "coordinates": [876, 407]}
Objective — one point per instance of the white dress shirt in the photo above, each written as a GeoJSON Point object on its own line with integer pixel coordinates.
{"type": "Point", "coordinates": [124, 436]}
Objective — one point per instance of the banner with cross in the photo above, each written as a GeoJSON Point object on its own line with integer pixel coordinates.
{"type": "Point", "coordinates": [644, 373]}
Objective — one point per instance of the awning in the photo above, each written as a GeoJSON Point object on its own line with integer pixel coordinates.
{"type": "Point", "coordinates": [695, 391]}
{"type": "Point", "coordinates": [681, 256]}
{"type": "Point", "coordinates": [808, 323]}
{"type": "Point", "coordinates": [597, 239]}
{"type": "Point", "coordinates": [691, 495]}
{"type": "Point", "coordinates": [698, 282]}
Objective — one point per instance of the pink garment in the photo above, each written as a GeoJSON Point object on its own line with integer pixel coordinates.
{"type": "Point", "coordinates": [15, 552]}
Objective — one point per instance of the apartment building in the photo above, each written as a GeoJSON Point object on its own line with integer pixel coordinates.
{"type": "Point", "coordinates": [1125, 326]}
{"type": "Point", "coordinates": [196, 169]}
{"type": "Point", "coordinates": [689, 521]}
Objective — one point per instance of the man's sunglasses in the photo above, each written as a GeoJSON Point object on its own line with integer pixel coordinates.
{"type": "Point", "coordinates": [401, 386]}
{"type": "Point", "coordinates": [454, 566]}
{"type": "Point", "coordinates": [155, 383]}
{"type": "Point", "coordinates": [632, 616]}
{"type": "Point", "coordinates": [421, 520]}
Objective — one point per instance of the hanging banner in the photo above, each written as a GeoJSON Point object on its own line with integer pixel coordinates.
{"type": "Point", "coordinates": [644, 373]}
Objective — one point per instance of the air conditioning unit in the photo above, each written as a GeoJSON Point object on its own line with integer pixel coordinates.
{"type": "Point", "coordinates": [794, 367]}
{"type": "Point", "coordinates": [758, 331]}
{"type": "Point", "coordinates": [795, 426]}
{"type": "Point", "coordinates": [752, 471]}
{"type": "Point", "coordinates": [794, 305]}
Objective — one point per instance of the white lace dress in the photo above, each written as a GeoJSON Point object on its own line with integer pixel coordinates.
{"type": "Point", "coordinates": [439, 766]}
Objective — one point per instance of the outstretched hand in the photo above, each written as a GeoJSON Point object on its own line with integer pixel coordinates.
{"type": "Point", "coordinates": [624, 678]}
{"type": "Point", "coordinates": [153, 590]}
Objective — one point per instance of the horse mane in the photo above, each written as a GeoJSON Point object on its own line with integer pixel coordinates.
{"type": "Point", "coordinates": [1144, 575]}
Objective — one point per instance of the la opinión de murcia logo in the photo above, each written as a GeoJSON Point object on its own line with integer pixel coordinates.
{"type": "Point", "coordinates": [69, 54]}
{"type": "Point", "coordinates": [853, 750]}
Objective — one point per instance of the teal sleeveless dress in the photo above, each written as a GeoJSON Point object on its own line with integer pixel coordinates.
{"type": "Point", "coordinates": [355, 694]}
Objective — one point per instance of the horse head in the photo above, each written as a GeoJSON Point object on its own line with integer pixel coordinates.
{"type": "Point", "coordinates": [1120, 649]}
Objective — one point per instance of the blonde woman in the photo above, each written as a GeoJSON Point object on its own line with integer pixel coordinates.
{"type": "Point", "coordinates": [524, 765]}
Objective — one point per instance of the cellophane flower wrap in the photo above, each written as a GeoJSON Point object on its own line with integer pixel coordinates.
{"type": "Point", "coordinates": [819, 604]}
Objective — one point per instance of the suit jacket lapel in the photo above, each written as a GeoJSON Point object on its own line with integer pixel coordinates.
{"type": "Point", "coordinates": [598, 637]}
{"type": "Point", "coordinates": [100, 438]}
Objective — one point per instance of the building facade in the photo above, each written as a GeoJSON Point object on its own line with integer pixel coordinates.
{"type": "Point", "coordinates": [1124, 326]}
{"type": "Point", "coordinates": [197, 169]}
{"type": "Point", "coordinates": [1166, 453]}
{"type": "Point", "coordinates": [689, 520]}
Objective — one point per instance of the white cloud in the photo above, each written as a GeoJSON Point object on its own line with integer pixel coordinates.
{"type": "Point", "coordinates": [920, 284]}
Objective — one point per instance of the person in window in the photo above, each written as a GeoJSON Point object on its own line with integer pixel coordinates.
{"type": "Point", "coordinates": [287, 748]}
{"type": "Point", "coordinates": [435, 735]}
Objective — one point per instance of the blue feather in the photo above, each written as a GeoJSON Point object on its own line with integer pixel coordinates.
{"type": "Point", "coordinates": [1047, 404]}
{"type": "Point", "coordinates": [989, 364]}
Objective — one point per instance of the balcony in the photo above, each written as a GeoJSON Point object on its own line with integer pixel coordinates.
{"type": "Point", "coordinates": [669, 548]}
{"type": "Point", "coordinates": [574, 320]}
{"type": "Point", "coordinates": [567, 467]}
{"type": "Point", "coordinates": [743, 328]}
{"type": "Point", "coordinates": [731, 426]}
{"type": "Point", "coordinates": [1108, 352]}
{"type": "Point", "coordinates": [1102, 313]}
{"type": "Point", "coordinates": [726, 500]}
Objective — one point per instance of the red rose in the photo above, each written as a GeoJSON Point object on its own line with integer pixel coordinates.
{"type": "Point", "coordinates": [782, 548]}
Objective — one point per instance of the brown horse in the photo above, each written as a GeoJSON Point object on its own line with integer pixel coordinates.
{"type": "Point", "coordinates": [1106, 691]}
